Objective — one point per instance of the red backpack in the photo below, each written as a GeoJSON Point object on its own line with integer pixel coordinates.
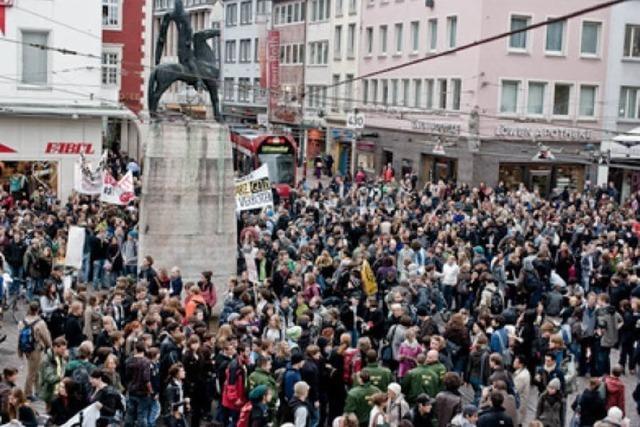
{"type": "Point", "coordinates": [245, 415]}
{"type": "Point", "coordinates": [352, 364]}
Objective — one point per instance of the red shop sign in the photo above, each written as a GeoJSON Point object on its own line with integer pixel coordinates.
{"type": "Point", "coordinates": [69, 148]}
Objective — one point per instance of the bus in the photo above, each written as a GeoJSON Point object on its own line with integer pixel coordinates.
{"type": "Point", "coordinates": [252, 148]}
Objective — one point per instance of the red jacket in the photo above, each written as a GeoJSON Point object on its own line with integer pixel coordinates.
{"type": "Point", "coordinates": [615, 392]}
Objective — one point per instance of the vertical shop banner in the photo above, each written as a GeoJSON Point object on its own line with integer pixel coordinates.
{"type": "Point", "coordinates": [273, 60]}
{"type": "Point", "coordinates": [262, 58]}
{"type": "Point", "coordinates": [117, 192]}
{"type": "Point", "coordinates": [75, 247]}
{"type": "Point", "coordinates": [253, 191]}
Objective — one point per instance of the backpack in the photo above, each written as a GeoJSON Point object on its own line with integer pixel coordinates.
{"type": "Point", "coordinates": [352, 364]}
{"type": "Point", "coordinates": [504, 348]}
{"type": "Point", "coordinates": [245, 415]}
{"type": "Point", "coordinates": [27, 339]}
{"type": "Point", "coordinates": [204, 308]}
{"type": "Point", "coordinates": [496, 306]}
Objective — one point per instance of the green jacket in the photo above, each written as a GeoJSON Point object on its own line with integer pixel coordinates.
{"type": "Point", "coordinates": [379, 376]}
{"type": "Point", "coordinates": [51, 373]}
{"type": "Point", "coordinates": [357, 401]}
{"type": "Point", "coordinates": [423, 379]}
{"type": "Point", "coordinates": [71, 366]}
{"type": "Point", "coordinates": [260, 377]}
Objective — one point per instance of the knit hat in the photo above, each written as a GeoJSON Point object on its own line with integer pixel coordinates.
{"type": "Point", "coordinates": [395, 388]}
{"type": "Point", "coordinates": [258, 393]}
{"type": "Point", "coordinates": [294, 332]}
{"type": "Point", "coordinates": [232, 317]}
{"type": "Point", "coordinates": [614, 416]}
{"type": "Point", "coordinates": [296, 357]}
{"type": "Point", "coordinates": [554, 384]}
{"type": "Point", "coordinates": [478, 250]}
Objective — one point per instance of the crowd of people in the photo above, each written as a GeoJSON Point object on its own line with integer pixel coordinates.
{"type": "Point", "coordinates": [370, 302]}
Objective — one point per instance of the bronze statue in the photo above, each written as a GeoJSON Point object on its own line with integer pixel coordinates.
{"type": "Point", "coordinates": [197, 62]}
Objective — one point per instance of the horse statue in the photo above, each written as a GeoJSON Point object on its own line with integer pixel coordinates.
{"type": "Point", "coordinates": [196, 61]}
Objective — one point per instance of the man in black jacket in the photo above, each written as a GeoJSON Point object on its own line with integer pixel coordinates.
{"type": "Point", "coordinates": [495, 416]}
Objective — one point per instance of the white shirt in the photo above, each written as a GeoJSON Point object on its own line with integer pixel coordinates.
{"type": "Point", "coordinates": [450, 274]}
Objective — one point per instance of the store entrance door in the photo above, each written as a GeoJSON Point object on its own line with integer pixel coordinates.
{"type": "Point", "coordinates": [541, 180]}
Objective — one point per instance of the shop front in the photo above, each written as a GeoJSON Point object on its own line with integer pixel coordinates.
{"type": "Point", "coordinates": [40, 153]}
{"type": "Point", "coordinates": [545, 178]}
{"type": "Point", "coordinates": [316, 144]}
{"type": "Point", "coordinates": [342, 141]}
{"type": "Point", "coordinates": [438, 168]}
{"type": "Point", "coordinates": [366, 156]}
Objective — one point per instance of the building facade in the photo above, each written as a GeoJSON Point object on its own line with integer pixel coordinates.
{"type": "Point", "coordinates": [482, 114]}
{"type": "Point", "coordinates": [621, 112]}
{"type": "Point", "coordinates": [52, 105]}
{"type": "Point", "coordinates": [244, 30]}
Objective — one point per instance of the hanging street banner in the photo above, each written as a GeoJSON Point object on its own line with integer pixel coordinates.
{"type": "Point", "coordinates": [253, 191]}
{"type": "Point", "coordinates": [117, 192]}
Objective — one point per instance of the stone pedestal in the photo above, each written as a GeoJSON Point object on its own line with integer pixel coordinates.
{"type": "Point", "coordinates": [187, 214]}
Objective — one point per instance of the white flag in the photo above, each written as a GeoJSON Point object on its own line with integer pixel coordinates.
{"type": "Point", "coordinates": [117, 192]}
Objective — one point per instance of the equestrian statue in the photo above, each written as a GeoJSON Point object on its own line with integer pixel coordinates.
{"type": "Point", "coordinates": [197, 64]}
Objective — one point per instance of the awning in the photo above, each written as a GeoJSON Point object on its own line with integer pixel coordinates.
{"type": "Point", "coordinates": [65, 110]}
{"type": "Point", "coordinates": [629, 139]}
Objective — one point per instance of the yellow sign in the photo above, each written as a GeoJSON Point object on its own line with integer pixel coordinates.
{"type": "Point", "coordinates": [369, 284]}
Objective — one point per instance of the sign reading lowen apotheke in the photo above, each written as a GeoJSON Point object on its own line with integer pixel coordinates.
{"type": "Point", "coordinates": [544, 133]}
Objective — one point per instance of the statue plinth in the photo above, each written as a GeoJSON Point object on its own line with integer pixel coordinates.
{"type": "Point", "coordinates": [187, 214]}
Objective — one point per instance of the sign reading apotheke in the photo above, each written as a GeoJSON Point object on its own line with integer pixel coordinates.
{"type": "Point", "coordinates": [440, 128]}
{"type": "Point", "coordinates": [544, 133]}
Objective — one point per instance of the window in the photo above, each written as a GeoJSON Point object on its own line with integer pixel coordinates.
{"type": "Point", "coordinates": [245, 12]}
{"type": "Point", "coordinates": [317, 96]}
{"type": "Point", "coordinates": [433, 34]}
{"type": "Point", "coordinates": [509, 96]}
{"type": "Point", "coordinates": [230, 51]}
{"type": "Point", "coordinates": [339, 7]}
{"type": "Point", "coordinates": [385, 91]}
{"type": "Point", "coordinates": [561, 97]}
{"type": "Point", "coordinates": [369, 40]}
{"type": "Point", "coordinates": [352, 6]}
{"type": "Point", "coordinates": [629, 103]}
{"type": "Point", "coordinates": [351, 40]}
{"type": "Point", "coordinates": [632, 41]}
{"type": "Point", "coordinates": [245, 50]}
{"type": "Point", "coordinates": [337, 42]}
{"type": "Point", "coordinates": [456, 93]}
{"type": "Point", "coordinates": [535, 98]}
{"type": "Point", "coordinates": [110, 67]}
{"type": "Point", "coordinates": [398, 37]}
{"type": "Point", "coordinates": [231, 15]}
{"type": "Point", "coordinates": [319, 53]}
{"type": "Point", "coordinates": [228, 89]}
{"type": "Point", "coordinates": [555, 38]}
{"type": "Point", "coordinates": [111, 13]}
{"type": "Point", "coordinates": [429, 86]}
{"type": "Point", "coordinates": [383, 39]}
{"type": "Point", "coordinates": [518, 41]}
{"type": "Point", "coordinates": [258, 92]}
{"type": "Point", "coordinates": [452, 31]}
{"type": "Point", "coordinates": [394, 91]}
{"type": "Point", "coordinates": [406, 88]}
{"type": "Point", "coordinates": [442, 95]}
{"type": "Point", "coordinates": [35, 67]}
{"type": "Point", "coordinates": [256, 49]}
{"type": "Point", "coordinates": [290, 16]}
{"type": "Point", "coordinates": [415, 36]}
{"type": "Point", "coordinates": [374, 91]}
{"type": "Point", "coordinates": [244, 86]}
{"type": "Point", "coordinates": [417, 91]}
{"type": "Point", "coordinates": [335, 81]}
{"type": "Point", "coordinates": [590, 44]}
{"type": "Point", "coordinates": [320, 10]}
{"type": "Point", "coordinates": [587, 101]}
{"type": "Point", "coordinates": [365, 92]}
{"type": "Point", "coordinates": [261, 7]}
{"type": "Point", "coordinates": [348, 93]}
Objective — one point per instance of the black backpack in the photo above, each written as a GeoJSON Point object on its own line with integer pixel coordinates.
{"type": "Point", "coordinates": [81, 376]}
{"type": "Point", "coordinates": [496, 303]}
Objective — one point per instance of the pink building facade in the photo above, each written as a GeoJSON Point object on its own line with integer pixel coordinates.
{"type": "Point", "coordinates": [482, 114]}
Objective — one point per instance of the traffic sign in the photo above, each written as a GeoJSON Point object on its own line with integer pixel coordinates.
{"type": "Point", "coordinates": [355, 120]}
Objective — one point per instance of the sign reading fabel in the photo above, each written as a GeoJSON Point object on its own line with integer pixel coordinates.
{"type": "Point", "coordinates": [69, 148]}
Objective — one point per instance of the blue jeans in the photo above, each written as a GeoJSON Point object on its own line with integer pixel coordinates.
{"type": "Point", "coordinates": [98, 273]}
{"type": "Point", "coordinates": [131, 270]}
{"type": "Point", "coordinates": [476, 384]}
{"type": "Point", "coordinates": [154, 413]}
{"type": "Point", "coordinates": [603, 362]}
{"type": "Point", "coordinates": [315, 417]}
{"type": "Point", "coordinates": [86, 268]}
{"type": "Point", "coordinates": [138, 409]}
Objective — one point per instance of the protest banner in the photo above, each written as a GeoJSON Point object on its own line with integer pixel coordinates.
{"type": "Point", "coordinates": [87, 180]}
{"type": "Point", "coordinates": [117, 192]}
{"type": "Point", "coordinates": [253, 191]}
{"type": "Point", "coordinates": [75, 247]}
